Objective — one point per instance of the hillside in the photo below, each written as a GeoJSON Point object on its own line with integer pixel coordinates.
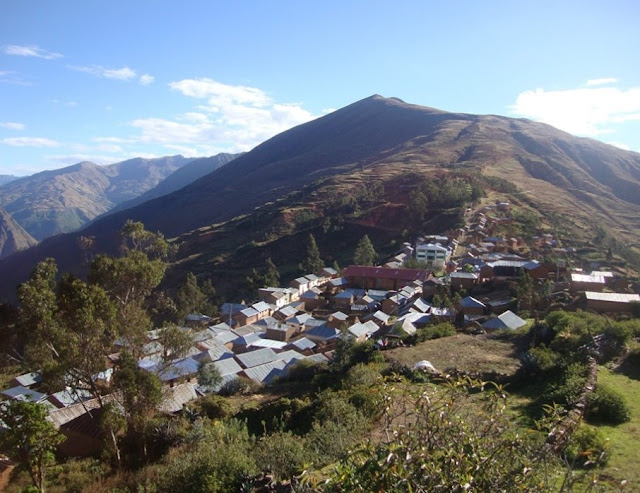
{"type": "Point", "coordinates": [64, 200]}
{"type": "Point", "coordinates": [306, 171]}
{"type": "Point", "coordinates": [12, 236]}
{"type": "Point", "coordinates": [4, 179]}
{"type": "Point", "coordinates": [180, 178]}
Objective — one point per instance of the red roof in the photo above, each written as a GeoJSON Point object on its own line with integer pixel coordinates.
{"type": "Point", "coordinates": [385, 273]}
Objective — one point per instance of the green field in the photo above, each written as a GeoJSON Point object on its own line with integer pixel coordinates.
{"type": "Point", "coordinates": [624, 460]}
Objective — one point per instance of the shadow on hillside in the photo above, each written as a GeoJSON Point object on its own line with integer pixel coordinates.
{"type": "Point", "coordinates": [630, 367]}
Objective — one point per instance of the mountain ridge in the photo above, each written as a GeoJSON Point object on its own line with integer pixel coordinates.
{"type": "Point", "coordinates": [580, 179]}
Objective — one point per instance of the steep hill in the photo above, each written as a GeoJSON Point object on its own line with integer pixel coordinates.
{"type": "Point", "coordinates": [180, 178]}
{"type": "Point", "coordinates": [64, 200]}
{"type": "Point", "coordinates": [12, 236]}
{"type": "Point", "coordinates": [318, 164]}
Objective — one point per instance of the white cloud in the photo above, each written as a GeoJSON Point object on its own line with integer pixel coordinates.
{"type": "Point", "coordinates": [12, 77]}
{"type": "Point", "coordinates": [219, 93]}
{"type": "Point", "coordinates": [124, 73]}
{"type": "Point", "coordinates": [589, 111]}
{"type": "Point", "coordinates": [30, 142]}
{"type": "Point", "coordinates": [13, 125]}
{"type": "Point", "coordinates": [146, 79]}
{"type": "Point", "coordinates": [619, 145]}
{"type": "Point", "coordinates": [601, 82]}
{"type": "Point", "coordinates": [30, 50]}
{"type": "Point", "coordinates": [233, 118]}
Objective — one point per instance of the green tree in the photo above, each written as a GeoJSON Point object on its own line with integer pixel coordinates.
{"type": "Point", "coordinates": [272, 275]}
{"type": "Point", "coordinates": [30, 438]}
{"type": "Point", "coordinates": [190, 297]}
{"type": "Point", "coordinates": [365, 254]}
{"type": "Point", "coordinates": [313, 262]}
{"type": "Point", "coordinates": [209, 377]}
{"type": "Point", "coordinates": [140, 393]}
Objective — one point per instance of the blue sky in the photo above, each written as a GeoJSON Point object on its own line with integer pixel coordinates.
{"type": "Point", "coordinates": [107, 81]}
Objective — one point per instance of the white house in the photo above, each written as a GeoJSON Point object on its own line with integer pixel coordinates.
{"type": "Point", "coordinates": [432, 255]}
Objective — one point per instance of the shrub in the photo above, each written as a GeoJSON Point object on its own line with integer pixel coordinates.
{"type": "Point", "coordinates": [214, 406]}
{"type": "Point", "coordinates": [304, 370]}
{"type": "Point", "coordinates": [239, 386]}
{"type": "Point", "coordinates": [568, 390]}
{"type": "Point", "coordinates": [587, 447]}
{"type": "Point", "coordinates": [282, 453]}
{"type": "Point", "coordinates": [542, 359]}
{"type": "Point", "coordinates": [606, 405]}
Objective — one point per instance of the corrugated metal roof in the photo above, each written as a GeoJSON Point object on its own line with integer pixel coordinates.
{"type": "Point", "coordinates": [257, 357]}
{"type": "Point", "coordinates": [382, 273]}
{"type": "Point", "coordinates": [267, 372]}
{"type": "Point", "coordinates": [175, 398]}
{"type": "Point", "coordinates": [612, 297]}
{"type": "Point", "coordinates": [506, 320]}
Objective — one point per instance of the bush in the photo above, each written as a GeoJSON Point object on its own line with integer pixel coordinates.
{"type": "Point", "coordinates": [587, 447]}
{"type": "Point", "coordinates": [282, 453]}
{"type": "Point", "coordinates": [214, 406]}
{"type": "Point", "coordinates": [303, 370]}
{"type": "Point", "coordinates": [606, 405]}
{"type": "Point", "coordinates": [239, 386]}
{"type": "Point", "coordinates": [568, 390]}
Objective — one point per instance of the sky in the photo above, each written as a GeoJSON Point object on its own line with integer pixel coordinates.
{"type": "Point", "coordinates": [109, 81]}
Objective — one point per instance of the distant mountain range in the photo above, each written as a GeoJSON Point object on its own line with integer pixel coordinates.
{"type": "Point", "coordinates": [180, 178]}
{"type": "Point", "coordinates": [4, 179]}
{"type": "Point", "coordinates": [581, 180]}
{"type": "Point", "coordinates": [64, 200]}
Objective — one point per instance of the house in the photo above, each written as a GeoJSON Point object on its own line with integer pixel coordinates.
{"type": "Point", "coordinates": [197, 320]}
{"type": "Point", "coordinates": [359, 332]}
{"type": "Point", "coordinates": [393, 304]}
{"type": "Point", "coordinates": [278, 297]}
{"type": "Point", "coordinates": [610, 302]}
{"type": "Point", "coordinates": [280, 332]}
{"type": "Point", "coordinates": [285, 313]}
{"type": "Point", "coordinates": [380, 318]}
{"type": "Point", "coordinates": [21, 393]}
{"type": "Point", "coordinates": [263, 309]}
{"type": "Point", "coordinates": [301, 284]}
{"type": "Point", "coordinates": [586, 282]}
{"type": "Point", "coordinates": [246, 316]}
{"type": "Point", "coordinates": [343, 300]}
{"type": "Point", "coordinates": [256, 358]}
{"type": "Point", "coordinates": [471, 306]}
{"type": "Point", "coordinates": [68, 397]}
{"type": "Point", "coordinates": [314, 280]}
{"type": "Point", "coordinates": [266, 372]}
{"type": "Point", "coordinates": [505, 321]}
{"type": "Point", "coordinates": [312, 299]}
{"type": "Point", "coordinates": [364, 304]}
{"type": "Point", "coordinates": [337, 319]}
{"type": "Point", "coordinates": [463, 280]}
{"type": "Point", "coordinates": [384, 279]}
{"type": "Point", "coordinates": [433, 255]}
{"type": "Point", "coordinates": [174, 398]}
{"type": "Point", "coordinates": [303, 345]}
{"type": "Point", "coordinates": [322, 333]}
{"type": "Point", "coordinates": [27, 380]}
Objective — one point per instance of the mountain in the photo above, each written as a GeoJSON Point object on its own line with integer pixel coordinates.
{"type": "Point", "coordinates": [4, 179]}
{"type": "Point", "coordinates": [64, 200]}
{"type": "Point", "coordinates": [12, 236]}
{"type": "Point", "coordinates": [297, 178]}
{"type": "Point", "coordinates": [180, 178]}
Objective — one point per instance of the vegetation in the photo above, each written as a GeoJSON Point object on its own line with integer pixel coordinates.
{"type": "Point", "coordinates": [365, 254]}
{"type": "Point", "coordinates": [30, 438]}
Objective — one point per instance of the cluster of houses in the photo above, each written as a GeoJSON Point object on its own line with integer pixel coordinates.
{"type": "Point", "coordinates": [260, 341]}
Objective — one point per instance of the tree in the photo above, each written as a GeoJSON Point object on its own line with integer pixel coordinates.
{"type": "Point", "coordinates": [29, 437]}
{"type": "Point", "coordinates": [313, 262]}
{"type": "Point", "coordinates": [209, 377]}
{"type": "Point", "coordinates": [272, 275]}
{"type": "Point", "coordinates": [131, 279]}
{"type": "Point", "coordinates": [140, 392]}
{"type": "Point", "coordinates": [365, 253]}
{"type": "Point", "coordinates": [191, 298]}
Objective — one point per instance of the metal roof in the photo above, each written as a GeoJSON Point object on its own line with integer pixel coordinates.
{"type": "Point", "coordinates": [612, 297]}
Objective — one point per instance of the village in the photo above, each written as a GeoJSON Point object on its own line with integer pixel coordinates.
{"type": "Point", "coordinates": [471, 277]}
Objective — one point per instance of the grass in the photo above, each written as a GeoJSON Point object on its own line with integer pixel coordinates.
{"type": "Point", "coordinates": [462, 351]}
{"type": "Point", "coordinates": [624, 460]}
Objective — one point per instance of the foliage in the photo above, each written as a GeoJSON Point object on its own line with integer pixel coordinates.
{"type": "Point", "coordinates": [218, 463]}
{"type": "Point", "coordinates": [567, 391]}
{"type": "Point", "coordinates": [348, 353]}
{"type": "Point", "coordinates": [436, 441]}
{"type": "Point", "coordinates": [29, 438]}
{"type": "Point", "coordinates": [209, 377]}
{"type": "Point", "coordinates": [214, 406]}
{"type": "Point", "coordinates": [239, 386]}
{"type": "Point", "coordinates": [433, 331]}
{"type": "Point", "coordinates": [587, 446]}
{"type": "Point", "coordinates": [608, 406]}
{"type": "Point", "coordinates": [193, 298]}
{"type": "Point", "coordinates": [313, 262]}
{"type": "Point", "coordinates": [365, 254]}
{"type": "Point", "coordinates": [282, 453]}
